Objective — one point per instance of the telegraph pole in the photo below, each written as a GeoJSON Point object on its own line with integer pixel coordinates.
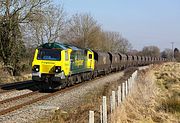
{"type": "Point", "coordinates": [172, 43]}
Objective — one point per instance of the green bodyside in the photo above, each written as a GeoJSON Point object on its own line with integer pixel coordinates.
{"type": "Point", "coordinates": [78, 62]}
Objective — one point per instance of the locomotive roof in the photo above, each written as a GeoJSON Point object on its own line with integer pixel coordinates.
{"type": "Point", "coordinates": [53, 45]}
{"type": "Point", "coordinates": [71, 46]}
{"type": "Point", "coordinates": [59, 46]}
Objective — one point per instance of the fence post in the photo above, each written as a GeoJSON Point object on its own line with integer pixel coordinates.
{"type": "Point", "coordinates": [133, 78]}
{"type": "Point", "coordinates": [126, 88]}
{"type": "Point", "coordinates": [119, 95]}
{"type": "Point", "coordinates": [113, 100]}
{"type": "Point", "coordinates": [91, 116]}
{"type": "Point", "coordinates": [104, 110]}
{"type": "Point", "coordinates": [101, 113]}
{"type": "Point", "coordinates": [123, 91]}
{"type": "Point", "coordinates": [136, 74]}
{"type": "Point", "coordinates": [130, 84]}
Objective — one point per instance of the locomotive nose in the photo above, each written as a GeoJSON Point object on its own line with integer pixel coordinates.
{"type": "Point", "coordinates": [46, 68]}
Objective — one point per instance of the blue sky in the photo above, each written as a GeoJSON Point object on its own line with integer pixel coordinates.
{"type": "Point", "coordinates": [142, 22]}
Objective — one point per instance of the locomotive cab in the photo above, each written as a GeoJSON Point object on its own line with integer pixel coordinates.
{"type": "Point", "coordinates": [51, 61]}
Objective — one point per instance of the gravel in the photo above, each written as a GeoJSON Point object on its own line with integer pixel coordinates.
{"type": "Point", "coordinates": [20, 101]}
{"type": "Point", "coordinates": [62, 101]}
{"type": "Point", "coordinates": [14, 93]}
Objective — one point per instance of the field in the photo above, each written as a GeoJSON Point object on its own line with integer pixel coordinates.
{"type": "Point", "coordinates": [156, 97]}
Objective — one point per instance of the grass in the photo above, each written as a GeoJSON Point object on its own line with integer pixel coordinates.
{"type": "Point", "coordinates": [168, 79]}
{"type": "Point", "coordinates": [156, 97]}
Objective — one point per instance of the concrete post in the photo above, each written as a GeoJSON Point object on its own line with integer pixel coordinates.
{"type": "Point", "coordinates": [126, 91]}
{"type": "Point", "coordinates": [113, 100]}
{"type": "Point", "coordinates": [104, 110]}
{"type": "Point", "coordinates": [119, 95]}
{"type": "Point", "coordinates": [123, 91]}
{"type": "Point", "coordinates": [91, 116]}
{"type": "Point", "coordinates": [101, 114]}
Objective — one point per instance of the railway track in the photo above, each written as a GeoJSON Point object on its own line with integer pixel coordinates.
{"type": "Point", "coordinates": [16, 86]}
{"type": "Point", "coordinates": [32, 101]}
{"type": "Point", "coordinates": [14, 103]}
{"type": "Point", "coordinates": [18, 97]}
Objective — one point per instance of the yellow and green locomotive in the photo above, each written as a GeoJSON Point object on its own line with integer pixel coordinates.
{"type": "Point", "coordinates": [59, 65]}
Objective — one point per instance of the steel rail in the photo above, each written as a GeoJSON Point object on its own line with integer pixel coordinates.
{"type": "Point", "coordinates": [18, 97]}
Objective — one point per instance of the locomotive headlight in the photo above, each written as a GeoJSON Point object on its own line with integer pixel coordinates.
{"type": "Point", "coordinates": [36, 68]}
{"type": "Point", "coordinates": [57, 69]}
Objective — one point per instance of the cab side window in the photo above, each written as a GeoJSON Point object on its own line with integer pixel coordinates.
{"type": "Point", "coordinates": [66, 56]}
{"type": "Point", "coordinates": [90, 56]}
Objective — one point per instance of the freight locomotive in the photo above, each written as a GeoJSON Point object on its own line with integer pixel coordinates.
{"type": "Point", "coordinates": [57, 65]}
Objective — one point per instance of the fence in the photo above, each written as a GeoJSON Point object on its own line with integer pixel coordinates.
{"type": "Point", "coordinates": [123, 90]}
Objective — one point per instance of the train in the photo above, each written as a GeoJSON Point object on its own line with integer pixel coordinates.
{"type": "Point", "coordinates": [57, 65]}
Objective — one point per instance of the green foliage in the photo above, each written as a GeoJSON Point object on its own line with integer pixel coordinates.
{"type": "Point", "coordinates": [11, 44]}
{"type": "Point", "coordinates": [14, 16]}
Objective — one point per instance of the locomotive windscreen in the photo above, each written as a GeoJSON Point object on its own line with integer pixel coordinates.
{"type": "Point", "coordinates": [49, 54]}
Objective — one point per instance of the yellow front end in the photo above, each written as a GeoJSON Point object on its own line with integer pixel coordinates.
{"type": "Point", "coordinates": [53, 69]}
{"type": "Point", "coordinates": [90, 60]}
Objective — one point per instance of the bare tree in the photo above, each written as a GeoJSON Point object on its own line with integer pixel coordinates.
{"type": "Point", "coordinates": [167, 53]}
{"type": "Point", "coordinates": [82, 30]}
{"type": "Point", "coordinates": [151, 51]}
{"type": "Point", "coordinates": [49, 27]}
{"type": "Point", "coordinates": [13, 13]}
{"type": "Point", "coordinates": [114, 42]}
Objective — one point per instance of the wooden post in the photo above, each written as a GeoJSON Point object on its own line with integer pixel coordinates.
{"type": "Point", "coordinates": [113, 100]}
{"type": "Point", "coordinates": [104, 110]}
{"type": "Point", "coordinates": [91, 116]}
{"type": "Point", "coordinates": [119, 95]}
{"type": "Point", "coordinates": [123, 91]}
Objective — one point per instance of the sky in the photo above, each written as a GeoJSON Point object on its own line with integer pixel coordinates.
{"type": "Point", "coordinates": [142, 22]}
